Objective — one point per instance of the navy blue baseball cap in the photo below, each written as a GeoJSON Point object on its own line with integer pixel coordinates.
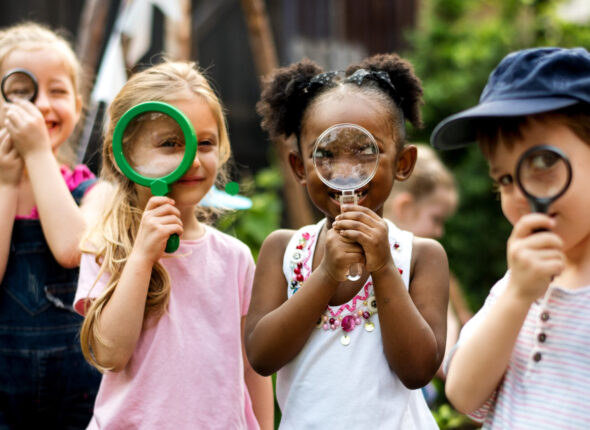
{"type": "Point", "coordinates": [525, 82]}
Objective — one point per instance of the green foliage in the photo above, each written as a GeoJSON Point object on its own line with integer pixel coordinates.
{"type": "Point", "coordinates": [449, 419]}
{"type": "Point", "coordinates": [454, 49]}
{"type": "Point", "coordinates": [252, 226]}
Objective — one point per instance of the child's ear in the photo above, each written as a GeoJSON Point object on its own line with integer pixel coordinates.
{"type": "Point", "coordinates": [297, 166]}
{"type": "Point", "coordinates": [78, 107]}
{"type": "Point", "coordinates": [406, 160]}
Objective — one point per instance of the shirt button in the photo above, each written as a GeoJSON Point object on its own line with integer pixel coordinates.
{"type": "Point", "coordinates": [537, 357]}
{"type": "Point", "coordinates": [542, 337]}
{"type": "Point", "coordinates": [545, 316]}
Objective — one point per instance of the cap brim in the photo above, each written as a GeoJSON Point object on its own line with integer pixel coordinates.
{"type": "Point", "coordinates": [461, 129]}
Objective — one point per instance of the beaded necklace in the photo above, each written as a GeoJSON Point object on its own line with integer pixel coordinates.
{"type": "Point", "coordinates": [345, 317]}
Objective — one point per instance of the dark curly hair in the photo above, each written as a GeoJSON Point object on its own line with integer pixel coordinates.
{"type": "Point", "coordinates": [289, 91]}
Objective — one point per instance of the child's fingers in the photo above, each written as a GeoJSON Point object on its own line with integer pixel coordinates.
{"type": "Point", "coordinates": [156, 202]}
{"type": "Point", "coordinates": [532, 223]}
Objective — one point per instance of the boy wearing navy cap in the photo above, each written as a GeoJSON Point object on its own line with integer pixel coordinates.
{"type": "Point", "coordinates": [523, 362]}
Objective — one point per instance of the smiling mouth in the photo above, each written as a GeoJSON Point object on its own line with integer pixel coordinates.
{"type": "Point", "coordinates": [190, 181]}
{"type": "Point", "coordinates": [51, 125]}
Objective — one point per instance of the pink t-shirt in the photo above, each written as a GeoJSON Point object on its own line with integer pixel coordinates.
{"type": "Point", "coordinates": [72, 178]}
{"type": "Point", "coordinates": [187, 371]}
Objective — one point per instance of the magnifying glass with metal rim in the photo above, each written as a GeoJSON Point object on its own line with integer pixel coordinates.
{"type": "Point", "coordinates": [154, 145]}
{"type": "Point", "coordinates": [543, 173]}
{"type": "Point", "coordinates": [19, 84]}
{"type": "Point", "coordinates": [346, 157]}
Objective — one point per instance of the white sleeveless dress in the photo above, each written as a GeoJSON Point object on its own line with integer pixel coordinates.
{"type": "Point", "coordinates": [341, 378]}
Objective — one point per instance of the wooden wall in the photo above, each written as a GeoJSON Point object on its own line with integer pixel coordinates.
{"type": "Point", "coordinates": [331, 32]}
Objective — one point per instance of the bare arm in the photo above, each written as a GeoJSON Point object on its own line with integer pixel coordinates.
{"type": "Point", "coordinates": [260, 389]}
{"type": "Point", "coordinates": [277, 328]}
{"type": "Point", "coordinates": [11, 166]}
{"type": "Point", "coordinates": [413, 321]}
{"type": "Point", "coordinates": [478, 365]}
{"type": "Point", "coordinates": [61, 219]}
{"type": "Point", "coordinates": [122, 318]}
{"type": "Point", "coordinates": [480, 362]}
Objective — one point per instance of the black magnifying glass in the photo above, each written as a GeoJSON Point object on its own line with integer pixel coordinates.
{"type": "Point", "coordinates": [154, 144]}
{"type": "Point", "coordinates": [19, 84]}
{"type": "Point", "coordinates": [543, 174]}
{"type": "Point", "coordinates": [346, 157]}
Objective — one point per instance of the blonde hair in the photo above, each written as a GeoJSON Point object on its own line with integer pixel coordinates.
{"type": "Point", "coordinates": [112, 238]}
{"type": "Point", "coordinates": [31, 36]}
{"type": "Point", "coordinates": [429, 173]}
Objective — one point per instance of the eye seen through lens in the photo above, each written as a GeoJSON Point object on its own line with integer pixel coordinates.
{"type": "Point", "coordinates": [153, 144]}
{"type": "Point", "coordinates": [19, 84]}
{"type": "Point", "coordinates": [544, 174]}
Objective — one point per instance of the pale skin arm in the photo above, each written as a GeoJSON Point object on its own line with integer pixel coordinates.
{"type": "Point", "coordinates": [413, 321]}
{"type": "Point", "coordinates": [11, 166]}
{"type": "Point", "coordinates": [122, 318]}
{"type": "Point", "coordinates": [481, 361]}
{"type": "Point", "coordinates": [61, 219]}
{"type": "Point", "coordinates": [260, 389]}
{"type": "Point", "coordinates": [93, 203]}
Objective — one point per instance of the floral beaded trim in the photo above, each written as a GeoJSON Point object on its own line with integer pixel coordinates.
{"type": "Point", "coordinates": [348, 316]}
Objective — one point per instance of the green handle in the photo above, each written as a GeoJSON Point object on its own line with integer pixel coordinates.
{"type": "Point", "coordinates": [173, 243]}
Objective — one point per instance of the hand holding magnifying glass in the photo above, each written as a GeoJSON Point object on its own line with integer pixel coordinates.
{"type": "Point", "coordinates": [154, 144]}
{"type": "Point", "coordinates": [345, 157]}
{"type": "Point", "coordinates": [543, 173]}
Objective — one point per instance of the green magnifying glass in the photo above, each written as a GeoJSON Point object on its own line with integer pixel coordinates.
{"type": "Point", "coordinates": [154, 144]}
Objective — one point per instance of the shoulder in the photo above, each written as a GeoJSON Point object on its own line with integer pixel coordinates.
{"type": "Point", "coordinates": [429, 261]}
{"type": "Point", "coordinates": [278, 240]}
{"type": "Point", "coordinates": [425, 249]}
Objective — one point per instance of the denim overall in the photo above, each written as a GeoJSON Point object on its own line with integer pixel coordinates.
{"type": "Point", "coordinates": [44, 380]}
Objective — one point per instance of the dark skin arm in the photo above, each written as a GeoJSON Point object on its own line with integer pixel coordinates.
{"type": "Point", "coordinates": [413, 321]}
{"type": "Point", "coordinates": [277, 328]}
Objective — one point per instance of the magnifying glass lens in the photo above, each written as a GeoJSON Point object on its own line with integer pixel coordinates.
{"type": "Point", "coordinates": [153, 144]}
{"type": "Point", "coordinates": [346, 157]}
{"type": "Point", "coordinates": [18, 85]}
{"type": "Point", "coordinates": [544, 174]}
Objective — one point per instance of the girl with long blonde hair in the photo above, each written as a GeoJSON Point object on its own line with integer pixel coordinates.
{"type": "Point", "coordinates": [166, 330]}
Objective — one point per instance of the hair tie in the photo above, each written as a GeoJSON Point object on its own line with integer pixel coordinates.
{"type": "Point", "coordinates": [380, 77]}
{"type": "Point", "coordinates": [319, 81]}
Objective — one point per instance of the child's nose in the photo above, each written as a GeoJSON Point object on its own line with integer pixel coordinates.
{"type": "Point", "coordinates": [196, 162]}
{"type": "Point", "coordinates": [42, 101]}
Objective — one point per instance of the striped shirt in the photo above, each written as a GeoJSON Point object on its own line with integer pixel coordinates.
{"type": "Point", "coordinates": [547, 382]}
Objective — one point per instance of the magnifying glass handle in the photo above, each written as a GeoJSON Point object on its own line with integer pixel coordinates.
{"type": "Point", "coordinates": [356, 269]}
{"type": "Point", "coordinates": [172, 243]}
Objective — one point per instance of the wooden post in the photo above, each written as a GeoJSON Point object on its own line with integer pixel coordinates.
{"type": "Point", "coordinates": [177, 41]}
{"type": "Point", "coordinates": [91, 35]}
{"type": "Point", "coordinates": [265, 59]}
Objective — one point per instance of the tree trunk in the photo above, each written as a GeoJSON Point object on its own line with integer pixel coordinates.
{"type": "Point", "coordinates": [265, 59]}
